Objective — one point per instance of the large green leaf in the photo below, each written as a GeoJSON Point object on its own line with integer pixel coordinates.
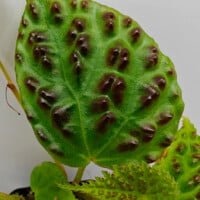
{"type": "Point", "coordinates": [94, 85]}
{"type": "Point", "coordinates": [44, 183]}
{"type": "Point", "coordinates": [183, 161]}
{"type": "Point", "coordinates": [135, 181]}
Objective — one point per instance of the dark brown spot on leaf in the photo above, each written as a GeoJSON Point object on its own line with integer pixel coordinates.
{"type": "Point", "coordinates": [78, 68]}
{"type": "Point", "coordinates": [18, 57]}
{"type": "Point", "coordinates": [180, 148]}
{"type": "Point", "coordinates": [176, 166]}
{"type": "Point", "coordinates": [56, 151]}
{"type": "Point", "coordinates": [84, 4]}
{"type": "Point", "coordinates": [100, 105]}
{"type": "Point", "coordinates": [106, 83]}
{"type": "Point", "coordinates": [46, 62]}
{"type": "Point", "coordinates": [58, 18]}
{"type": "Point", "coordinates": [127, 22]}
{"type": "Point", "coordinates": [105, 121]}
{"type": "Point", "coordinates": [36, 37]}
{"type": "Point", "coordinates": [151, 158]}
{"type": "Point", "coordinates": [124, 59]}
{"type": "Point", "coordinates": [167, 141]}
{"type": "Point", "coordinates": [152, 59]}
{"type": "Point", "coordinates": [60, 116]}
{"type": "Point", "coordinates": [43, 103]}
{"type": "Point", "coordinates": [108, 16]}
{"type": "Point", "coordinates": [113, 56]}
{"type": "Point", "coordinates": [149, 132]}
{"type": "Point", "coordinates": [160, 81]}
{"type": "Point", "coordinates": [48, 95]}
{"type": "Point", "coordinates": [56, 8]}
{"type": "Point", "coordinates": [135, 34]}
{"type": "Point", "coordinates": [40, 51]}
{"type": "Point", "coordinates": [66, 132]}
{"type": "Point", "coordinates": [128, 146]}
{"type": "Point", "coordinates": [79, 24]}
{"type": "Point", "coordinates": [150, 97]}
{"type": "Point", "coordinates": [24, 22]}
{"type": "Point", "coordinates": [164, 118]}
{"type": "Point", "coordinates": [41, 135]}
{"type": "Point", "coordinates": [74, 57]}
{"type": "Point", "coordinates": [73, 3]}
{"type": "Point", "coordinates": [71, 36]}
{"type": "Point", "coordinates": [31, 83]}
{"type": "Point", "coordinates": [33, 10]}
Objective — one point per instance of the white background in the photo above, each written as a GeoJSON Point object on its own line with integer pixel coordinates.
{"type": "Point", "coordinates": [175, 24]}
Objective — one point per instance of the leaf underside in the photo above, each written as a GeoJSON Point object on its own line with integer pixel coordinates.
{"type": "Point", "coordinates": [183, 161]}
{"type": "Point", "coordinates": [94, 85]}
{"type": "Point", "coordinates": [135, 181]}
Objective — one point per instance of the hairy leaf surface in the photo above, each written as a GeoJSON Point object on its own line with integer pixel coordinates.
{"type": "Point", "coordinates": [135, 181]}
{"type": "Point", "coordinates": [94, 85]}
{"type": "Point", "coordinates": [183, 161]}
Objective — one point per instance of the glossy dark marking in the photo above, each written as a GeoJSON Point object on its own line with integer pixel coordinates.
{"type": "Point", "coordinates": [124, 59]}
{"type": "Point", "coordinates": [24, 23]}
{"type": "Point", "coordinates": [73, 3]}
{"type": "Point", "coordinates": [66, 133]}
{"type": "Point", "coordinates": [100, 105]}
{"type": "Point", "coordinates": [72, 34]}
{"type": "Point", "coordinates": [105, 121]}
{"type": "Point", "coordinates": [56, 151]}
{"type": "Point", "coordinates": [118, 90]}
{"type": "Point", "coordinates": [31, 83]}
{"type": "Point", "coordinates": [135, 34]}
{"type": "Point", "coordinates": [113, 56]}
{"type": "Point", "coordinates": [33, 10]}
{"type": "Point", "coordinates": [36, 37]}
{"type": "Point", "coordinates": [74, 57]}
{"type": "Point", "coordinates": [152, 59]}
{"type": "Point", "coordinates": [171, 72]}
{"type": "Point", "coordinates": [40, 51]}
{"type": "Point", "coordinates": [79, 24]}
{"type": "Point", "coordinates": [180, 148]}
{"type": "Point", "coordinates": [60, 116]}
{"type": "Point", "coordinates": [18, 57]}
{"type": "Point", "coordinates": [84, 4]}
{"type": "Point", "coordinates": [41, 135]}
{"type": "Point", "coordinates": [196, 179]}
{"type": "Point", "coordinates": [106, 83]}
{"type": "Point", "coordinates": [56, 8]}
{"type": "Point", "coordinates": [20, 35]}
{"type": "Point", "coordinates": [44, 104]}
{"type": "Point", "coordinates": [108, 16]}
{"type": "Point", "coordinates": [150, 158]}
{"type": "Point", "coordinates": [149, 132]}
{"type": "Point", "coordinates": [161, 82]}
{"type": "Point", "coordinates": [150, 97]}
{"type": "Point", "coordinates": [110, 25]}
{"type": "Point", "coordinates": [84, 49]}
{"type": "Point", "coordinates": [78, 68]}
{"type": "Point", "coordinates": [82, 39]}
{"type": "Point", "coordinates": [48, 95]}
{"type": "Point", "coordinates": [176, 166]}
{"type": "Point", "coordinates": [164, 118]}
{"type": "Point", "coordinates": [128, 146]}
{"type": "Point", "coordinates": [127, 21]}
{"type": "Point", "coordinates": [46, 62]}
{"type": "Point", "coordinates": [167, 141]}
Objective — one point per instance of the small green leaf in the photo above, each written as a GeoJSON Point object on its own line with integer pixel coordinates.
{"type": "Point", "coordinates": [183, 161]}
{"type": "Point", "coordinates": [135, 181]}
{"type": "Point", "coordinates": [10, 197]}
{"type": "Point", "coordinates": [44, 180]}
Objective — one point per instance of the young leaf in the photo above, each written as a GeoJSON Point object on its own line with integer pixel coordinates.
{"type": "Point", "coordinates": [94, 85]}
{"type": "Point", "coordinates": [44, 180]}
{"type": "Point", "coordinates": [135, 181]}
{"type": "Point", "coordinates": [10, 197]}
{"type": "Point", "coordinates": [183, 161]}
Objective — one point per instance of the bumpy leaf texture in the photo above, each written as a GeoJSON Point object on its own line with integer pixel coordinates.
{"type": "Point", "coordinates": [135, 181]}
{"type": "Point", "coordinates": [94, 85]}
{"type": "Point", "coordinates": [10, 197]}
{"type": "Point", "coordinates": [44, 183]}
{"type": "Point", "coordinates": [183, 161]}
